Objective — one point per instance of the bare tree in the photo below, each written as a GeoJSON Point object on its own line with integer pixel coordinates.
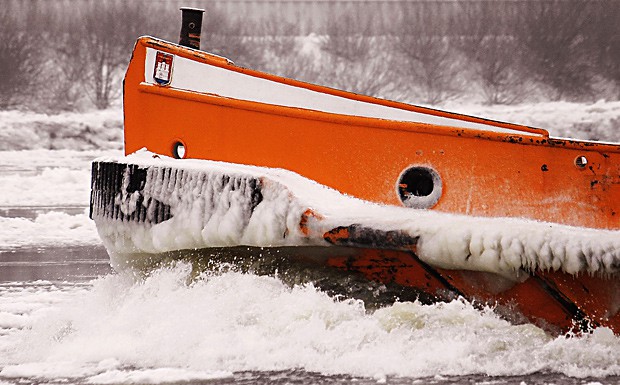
{"type": "Point", "coordinates": [20, 61]}
{"type": "Point", "coordinates": [65, 67]}
{"type": "Point", "coordinates": [87, 51]}
{"type": "Point", "coordinates": [486, 38]}
{"type": "Point", "coordinates": [552, 34]}
{"type": "Point", "coordinates": [428, 58]}
{"type": "Point", "coordinates": [347, 38]}
{"type": "Point", "coordinates": [356, 61]}
{"type": "Point", "coordinates": [228, 37]}
{"type": "Point", "coordinates": [604, 40]}
{"type": "Point", "coordinates": [281, 53]}
{"type": "Point", "coordinates": [279, 40]}
{"type": "Point", "coordinates": [109, 30]}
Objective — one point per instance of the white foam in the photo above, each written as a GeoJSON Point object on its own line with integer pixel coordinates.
{"type": "Point", "coordinates": [154, 376]}
{"type": "Point", "coordinates": [230, 322]}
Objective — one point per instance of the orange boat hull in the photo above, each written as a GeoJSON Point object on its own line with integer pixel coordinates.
{"type": "Point", "coordinates": [478, 168]}
{"type": "Point", "coordinates": [524, 174]}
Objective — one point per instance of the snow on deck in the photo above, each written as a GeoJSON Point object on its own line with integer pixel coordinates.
{"type": "Point", "coordinates": [212, 206]}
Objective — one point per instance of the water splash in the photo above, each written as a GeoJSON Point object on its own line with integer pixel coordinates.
{"type": "Point", "coordinates": [218, 323]}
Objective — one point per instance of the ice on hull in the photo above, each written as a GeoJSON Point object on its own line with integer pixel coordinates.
{"type": "Point", "coordinates": [149, 208]}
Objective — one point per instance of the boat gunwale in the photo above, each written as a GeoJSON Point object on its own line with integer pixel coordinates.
{"type": "Point", "coordinates": [222, 62]}
{"type": "Point", "coordinates": [525, 135]}
{"type": "Point", "coordinates": [376, 123]}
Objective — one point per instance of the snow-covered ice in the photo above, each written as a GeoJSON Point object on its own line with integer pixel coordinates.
{"type": "Point", "coordinates": [46, 183]}
{"type": "Point", "coordinates": [92, 130]}
{"type": "Point", "coordinates": [587, 121]}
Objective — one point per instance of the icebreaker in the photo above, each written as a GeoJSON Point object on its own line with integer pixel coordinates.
{"type": "Point", "coordinates": [220, 157]}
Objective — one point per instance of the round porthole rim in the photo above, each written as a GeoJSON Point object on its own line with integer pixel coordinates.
{"type": "Point", "coordinates": [178, 143]}
{"type": "Point", "coordinates": [426, 201]}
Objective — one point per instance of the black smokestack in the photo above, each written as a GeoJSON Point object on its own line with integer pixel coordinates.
{"type": "Point", "coordinates": [191, 27]}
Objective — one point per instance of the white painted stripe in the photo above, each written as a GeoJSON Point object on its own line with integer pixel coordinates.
{"type": "Point", "coordinates": [194, 76]}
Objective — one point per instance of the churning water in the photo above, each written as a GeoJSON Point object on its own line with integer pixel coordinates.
{"type": "Point", "coordinates": [225, 326]}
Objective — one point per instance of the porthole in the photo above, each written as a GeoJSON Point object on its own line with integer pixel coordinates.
{"type": "Point", "coordinates": [581, 162]}
{"type": "Point", "coordinates": [419, 187]}
{"type": "Point", "coordinates": [179, 150]}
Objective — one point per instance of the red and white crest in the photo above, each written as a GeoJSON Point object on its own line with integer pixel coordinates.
{"type": "Point", "coordinates": [162, 73]}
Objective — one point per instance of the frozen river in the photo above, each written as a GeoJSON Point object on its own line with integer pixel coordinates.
{"type": "Point", "coordinates": [53, 264]}
{"type": "Point", "coordinates": [67, 318]}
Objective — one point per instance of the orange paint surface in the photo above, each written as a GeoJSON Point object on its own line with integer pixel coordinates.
{"type": "Point", "coordinates": [483, 173]}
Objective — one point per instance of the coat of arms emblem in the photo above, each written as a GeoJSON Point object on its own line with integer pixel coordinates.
{"type": "Point", "coordinates": [162, 73]}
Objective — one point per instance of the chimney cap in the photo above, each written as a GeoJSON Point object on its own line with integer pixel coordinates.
{"type": "Point", "coordinates": [191, 9]}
